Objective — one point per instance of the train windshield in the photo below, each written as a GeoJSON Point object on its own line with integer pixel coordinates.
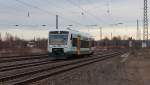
{"type": "Point", "coordinates": [58, 38]}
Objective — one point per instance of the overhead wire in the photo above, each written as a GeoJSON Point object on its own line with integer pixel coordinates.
{"type": "Point", "coordinates": [21, 25]}
{"type": "Point", "coordinates": [84, 10]}
{"type": "Point", "coordinates": [36, 7]}
{"type": "Point", "coordinates": [13, 8]}
{"type": "Point", "coordinates": [62, 8]}
{"type": "Point", "coordinates": [108, 7]}
{"type": "Point", "coordinates": [51, 3]}
{"type": "Point", "coordinates": [48, 12]}
{"type": "Point", "coordinates": [109, 11]}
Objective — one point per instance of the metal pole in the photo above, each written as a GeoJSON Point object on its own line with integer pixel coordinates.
{"type": "Point", "coordinates": [88, 29]}
{"type": "Point", "coordinates": [56, 21]}
{"type": "Point", "coordinates": [111, 36]}
{"type": "Point", "coordinates": [137, 34]}
{"type": "Point", "coordinates": [145, 23]}
{"type": "Point", "coordinates": [100, 33]}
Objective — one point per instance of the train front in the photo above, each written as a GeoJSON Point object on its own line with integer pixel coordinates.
{"type": "Point", "coordinates": [58, 44]}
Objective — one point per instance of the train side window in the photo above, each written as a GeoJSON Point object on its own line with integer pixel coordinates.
{"type": "Point", "coordinates": [74, 42]}
{"type": "Point", "coordinates": [93, 44]}
{"type": "Point", "coordinates": [71, 37]}
{"type": "Point", "coordinates": [84, 44]}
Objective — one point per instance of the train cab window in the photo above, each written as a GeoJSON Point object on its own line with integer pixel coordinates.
{"type": "Point", "coordinates": [59, 32]}
{"type": "Point", "coordinates": [58, 38]}
{"type": "Point", "coordinates": [74, 42]}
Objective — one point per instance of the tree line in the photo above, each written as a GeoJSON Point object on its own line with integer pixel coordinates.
{"type": "Point", "coordinates": [10, 42]}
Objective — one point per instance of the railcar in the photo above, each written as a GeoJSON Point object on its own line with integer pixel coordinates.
{"type": "Point", "coordinates": [65, 43]}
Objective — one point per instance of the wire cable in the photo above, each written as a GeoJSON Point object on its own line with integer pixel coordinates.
{"type": "Point", "coordinates": [84, 10]}
{"type": "Point", "coordinates": [36, 7]}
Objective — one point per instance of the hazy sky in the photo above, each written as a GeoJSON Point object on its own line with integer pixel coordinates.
{"type": "Point", "coordinates": [31, 14]}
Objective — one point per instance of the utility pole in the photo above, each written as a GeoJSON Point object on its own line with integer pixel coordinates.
{"type": "Point", "coordinates": [88, 29]}
{"type": "Point", "coordinates": [0, 37]}
{"type": "Point", "coordinates": [145, 23]}
{"type": "Point", "coordinates": [111, 36]}
{"type": "Point", "coordinates": [56, 21]}
{"type": "Point", "coordinates": [100, 29]}
{"type": "Point", "coordinates": [138, 34]}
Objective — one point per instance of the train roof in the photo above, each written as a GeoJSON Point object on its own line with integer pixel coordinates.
{"type": "Point", "coordinates": [74, 32]}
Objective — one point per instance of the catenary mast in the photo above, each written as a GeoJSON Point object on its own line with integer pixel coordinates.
{"type": "Point", "coordinates": [145, 23]}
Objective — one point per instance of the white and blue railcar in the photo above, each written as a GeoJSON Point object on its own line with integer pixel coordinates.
{"type": "Point", "coordinates": [63, 43]}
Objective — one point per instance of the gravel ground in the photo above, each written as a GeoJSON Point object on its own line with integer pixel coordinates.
{"type": "Point", "coordinates": [108, 72]}
{"type": "Point", "coordinates": [129, 69]}
{"type": "Point", "coordinates": [138, 68]}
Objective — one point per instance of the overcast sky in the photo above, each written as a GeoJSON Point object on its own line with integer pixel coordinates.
{"type": "Point", "coordinates": [31, 14]}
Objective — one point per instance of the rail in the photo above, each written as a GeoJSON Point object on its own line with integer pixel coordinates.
{"type": "Point", "coordinates": [37, 71]}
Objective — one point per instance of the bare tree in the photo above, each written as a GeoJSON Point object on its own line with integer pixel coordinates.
{"type": "Point", "coordinates": [14, 44]}
{"type": "Point", "coordinates": [41, 43]}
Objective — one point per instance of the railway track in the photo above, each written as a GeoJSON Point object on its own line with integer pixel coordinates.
{"type": "Point", "coordinates": [21, 58]}
{"type": "Point", "coordinates": [24, 74]}
{"type": "Point", "coordinates": [19, 66]}
{"type": "Point", "coordinates": [15, 64]}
